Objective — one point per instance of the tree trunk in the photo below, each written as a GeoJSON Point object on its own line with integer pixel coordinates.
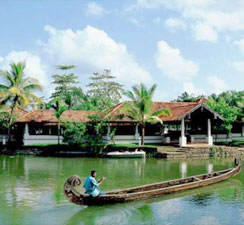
{"type": "Point", "coordinates": [58, 130]}
{"type": "Point", "coordinates": [10, 121]}
{"type": "Point", "coordinates": [142, 134]}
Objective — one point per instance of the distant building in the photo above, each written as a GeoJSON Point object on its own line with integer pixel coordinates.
{"type": "Point", "coordinates": [189, 122]}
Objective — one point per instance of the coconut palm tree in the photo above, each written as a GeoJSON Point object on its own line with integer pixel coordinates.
{"type": "Point", "coordinates": [59, 108]}
{"type": "Point", "coordinates": [141, 107]}
{"type": "Point", "coordinates": [17, 90]}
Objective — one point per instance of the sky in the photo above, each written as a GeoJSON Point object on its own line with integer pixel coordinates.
{"type": "Point", "coordinates": [181, 45]}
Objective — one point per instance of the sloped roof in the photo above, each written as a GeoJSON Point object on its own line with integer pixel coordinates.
{"type": "Point", "coordinates": [178, 110]}
{"type": "Point", "coordinates": [47, 116]}
{"type": "Point", "coordinates": [18, 111]}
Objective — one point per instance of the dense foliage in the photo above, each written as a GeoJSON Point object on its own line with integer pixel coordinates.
{"type": "Point", "coordinates": [74, 133]}
{"type": "Point", "coordinates": [140, 109]}
{"type": "Point", "coordinates": [229, 104]}
{"type": "Point", "coordinates": [234, 99]}
{"type": "Point", "coordinates": [88, 134]}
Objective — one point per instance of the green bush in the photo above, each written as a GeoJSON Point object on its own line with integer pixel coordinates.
{"type": "Point", "coordinates": [74, 133]}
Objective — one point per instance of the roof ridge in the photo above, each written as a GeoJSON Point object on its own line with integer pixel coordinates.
{"type": "Point", "coordinates": [178, 106]}
{"type": "Point", "coordinates": [26, 114]}
{"type": "Point", "coordinates": [175, 102]}
{"type": "Point", "coordinates": [22, 108]}
{"type": "Point", "coordinates": [116, 107]}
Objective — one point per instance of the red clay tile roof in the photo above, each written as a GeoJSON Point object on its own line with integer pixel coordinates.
{"type": "Point", "coordinates": [177, 109]}
{"type": "Point", "coordinates": [18, 111]}
{"type": "Point", "coordinates": [47, 116]}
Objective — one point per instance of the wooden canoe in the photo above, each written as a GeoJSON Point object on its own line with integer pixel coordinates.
{"type": "Point", "coordinates": [73, 185]}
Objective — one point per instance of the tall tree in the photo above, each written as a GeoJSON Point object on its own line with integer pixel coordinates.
{"type": "Point", "coordinates": [17, 90]}
{"type": "Point", "coordinates": [66, 89]}
{"type": "Point", "coordinates": [59, 108]}
{"type": "Point", "coordinates": [105, 89]}
{"type": "Point", "coordinates": [63, 82]}
{"type": "Point", "coordinates": [141, 107]}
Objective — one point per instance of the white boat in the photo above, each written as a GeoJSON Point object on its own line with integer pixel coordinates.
{"type": "Point", "coordinates": [127, 154]}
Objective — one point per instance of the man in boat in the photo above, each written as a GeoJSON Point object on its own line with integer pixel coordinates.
{"type": "Point", "coordinates": [92, 186]}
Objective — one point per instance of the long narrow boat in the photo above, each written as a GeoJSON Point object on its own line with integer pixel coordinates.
{"type": "Point", "coordinates": [73, 185]}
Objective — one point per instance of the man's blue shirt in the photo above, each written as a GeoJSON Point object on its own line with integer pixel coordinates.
{"type": "Point", "coordinates": [91, 186]}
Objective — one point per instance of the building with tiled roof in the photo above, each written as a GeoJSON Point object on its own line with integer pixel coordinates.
{"type": "Point", "coordinates": [187, 122]}
{"type": "Point", "coordinates": [195, 118]}
{"type": "Point", "coordinates": [178, 110]}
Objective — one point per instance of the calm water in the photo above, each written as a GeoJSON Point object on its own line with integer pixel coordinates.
{"type": "Point", "coordinates": [31, 192]}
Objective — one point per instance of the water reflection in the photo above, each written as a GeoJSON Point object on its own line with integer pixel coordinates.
{"type": "Point", "coordinates": [210, 168]}
{"type": "Point", "coordinates": [32, 187]}
{"type": "Point", "coordinates": [183, 169]}
{"type": "Point", "coordinates": [127, 213]}
{"type": "Point", "coordinates": [202, 199]}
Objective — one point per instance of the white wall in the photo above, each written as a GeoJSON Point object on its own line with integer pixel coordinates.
{"type": "Point", "coordinates": [218, 137]}
{"type": "Point", "coordinates": [41, 139]}
{"type": "Point", "coordinates": [131, 139]}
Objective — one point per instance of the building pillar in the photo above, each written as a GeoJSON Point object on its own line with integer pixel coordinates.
{"type": "Point", "coordinates": [4, 140]}
{"type": "Point", "coordinates": [26, 134]}
{"type": "Point", "coordinates": [167, 140]}
{"type": "Point", "coordinates": [183, 137]}
{"type": "Point", "coordinates": [209, 137]}
{"type": "Point", "coordinates": [137, 135]}
{"type": "Point", "coordinates": [108, 132]}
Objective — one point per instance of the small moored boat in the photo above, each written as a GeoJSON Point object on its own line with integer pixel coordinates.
{"type": "Point", "coordinates": [74, 195]}
{"type": "Point", "coordinates": [127, 154]}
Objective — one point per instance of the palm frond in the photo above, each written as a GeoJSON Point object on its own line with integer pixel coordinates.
{"type": "Point", "coordinates": [153, 120]}
{"type": "Point", "coordinates": [152, 90]}
{"type": "Point", "coordinates": [137, 92]}
{"type": "Point", "coordinates": [14, 91]}
{"type": "Point", "coordinates": [17, 69]}
{"type": "Point", "coordinates": [130, 95]}
{"type": "Point", "coordinates": [33, 98]}
{"type": "Point", "coordinates": [162, 112]}
{"type": "Point", "coordinates": [30, 83]}
{"type": "Point", "coordinates": [8, 77]}
{"type": "Point", "coordinates": [3, 87]}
